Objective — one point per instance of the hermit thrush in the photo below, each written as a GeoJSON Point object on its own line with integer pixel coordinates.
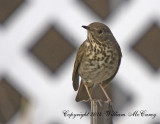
{"type": "Point", "coordinates": [97, 60]}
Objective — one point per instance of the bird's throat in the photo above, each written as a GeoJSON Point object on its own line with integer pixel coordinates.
{"type": "Point", "coordinates": [94, 41]}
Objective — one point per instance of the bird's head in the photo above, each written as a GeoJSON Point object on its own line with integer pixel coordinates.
{"type": "Point", "coordinates": [98, 31]}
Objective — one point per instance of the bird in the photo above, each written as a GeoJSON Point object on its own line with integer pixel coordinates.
{"type": "Point", "coordinates": [97, 61]}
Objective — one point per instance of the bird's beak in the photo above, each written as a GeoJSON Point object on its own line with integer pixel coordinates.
{"type": "Point", "coordinates": [86, 27]}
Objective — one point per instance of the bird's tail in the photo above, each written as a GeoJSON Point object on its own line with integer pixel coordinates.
{"type": "Point", "coordinates": [82, 93]}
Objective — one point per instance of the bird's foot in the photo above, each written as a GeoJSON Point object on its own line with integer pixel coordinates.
{"type": "Point", "coordinates": [100, 102]}
{"type": "Point", "coordinates": [109, 101]}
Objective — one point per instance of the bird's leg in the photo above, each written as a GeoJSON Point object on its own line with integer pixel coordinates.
{"type": "Point", "coordinates": [108, 99]}
{"type": "Point", "coordinates": [88, 92]}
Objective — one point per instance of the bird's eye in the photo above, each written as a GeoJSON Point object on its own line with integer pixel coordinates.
{"type": "Point", "coordinates": [100, 31]}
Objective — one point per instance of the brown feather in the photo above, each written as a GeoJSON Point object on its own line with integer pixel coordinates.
{"type": "Point", "coordinates": [82, 92]}
{"type": "Point", "coordinates": [75, 75]}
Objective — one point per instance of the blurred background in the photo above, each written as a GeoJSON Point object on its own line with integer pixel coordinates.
{"type": "Point", "coordinates": [38, 44]}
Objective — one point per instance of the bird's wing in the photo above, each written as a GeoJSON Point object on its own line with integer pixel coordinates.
{"type": "Point", "coordinates": [75, 75]}
{"type": "Point", "coordinates": [119, 49]}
